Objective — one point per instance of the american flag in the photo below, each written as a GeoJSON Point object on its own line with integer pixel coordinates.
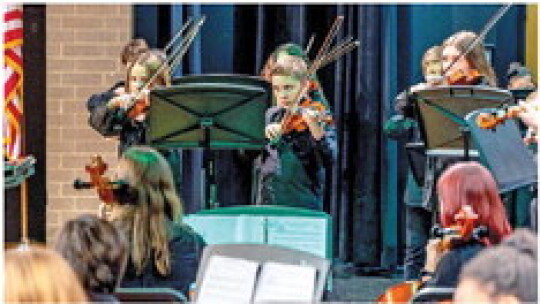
{"type": "Point", "coordinates": [13, 83]}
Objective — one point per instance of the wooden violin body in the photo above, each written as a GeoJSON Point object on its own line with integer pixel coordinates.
{"type": "Point", "coordinates": [461, 77]}
{"type": "Point", "coordinates": [491, 120]}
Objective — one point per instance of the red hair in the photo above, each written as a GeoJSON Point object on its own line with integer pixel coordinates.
{"type": "Point", "coordinates": [469, 183]}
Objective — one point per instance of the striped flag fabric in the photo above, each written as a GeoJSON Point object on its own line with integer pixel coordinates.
{"type": "Point", "coordinates": [13, 82]}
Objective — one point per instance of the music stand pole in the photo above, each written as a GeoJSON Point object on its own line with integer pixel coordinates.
{"type": "Point", "coordinates": [466, 141]}
{"type": "Point", "coordinates": [209, 112]}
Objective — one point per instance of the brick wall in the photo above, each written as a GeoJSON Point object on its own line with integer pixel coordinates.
{"type": "Point", "coordinates": [83, 47]}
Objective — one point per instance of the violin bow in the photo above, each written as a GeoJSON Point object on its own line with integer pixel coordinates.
{"type": "Point", "coordinates": [176, 55]}
{"type": "Point", "coordinates": [323, 58]}
{"type": "Point", "coordinates": [489, 25]}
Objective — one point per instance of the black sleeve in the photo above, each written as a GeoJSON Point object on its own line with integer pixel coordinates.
{"type": "Point", "coordinates": [447, 272]}
{"type": "Point", "coordinates": [327, 145]}
{"type": "Point", "coordinates": [106, 121]}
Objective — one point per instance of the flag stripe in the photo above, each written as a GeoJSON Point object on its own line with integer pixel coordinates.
{"type": "Point", "coordinates": [13, 15]}
{"type": "Point", "coordinates": [13, 34]}
{"type": "Point", "coordinates": [13, 82]}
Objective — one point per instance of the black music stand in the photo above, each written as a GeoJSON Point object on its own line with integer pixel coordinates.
{"type": "Point", "coordinates": [441, 115]}
{"type": "Point", "coordinates": [502, 150]}
{"type": "Point", "coordinates": [209, 112]}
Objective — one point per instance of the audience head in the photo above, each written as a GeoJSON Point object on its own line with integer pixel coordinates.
{"type": "Point", "coordinates": [152, 204]}
{"type": "Point", "coordinates": [506, 273]}
{"type": "Point", "coordinates": [96, 251]}
{"type": "Point", "coordinates": [37, 274]}
{"type": "Point", "coordinates": [519, 77]}
{"type": "Point", "coordinates": [470, 184]}
{"type": "Point", "coordinates": [458, 44]}
{"type": "Point", "coordinates": [132, 50]}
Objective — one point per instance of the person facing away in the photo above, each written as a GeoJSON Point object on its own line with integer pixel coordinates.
{"type": "Point", "coordinates": [40, 275]}
{"type": "Point", "coordinates": [293, 162]}
{"type": "Point", "coordinates": [97, 252]}
{"type": "Point", "coordinates": [163, 252]}
{"type": "Point", "coordinates": [506, 273]}
{"type": "Point", "coordinates": [465, 188]}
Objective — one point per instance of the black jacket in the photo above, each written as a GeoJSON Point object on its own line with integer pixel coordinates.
{"type": "Point", "coordinates": [186, 247]}
{"type": "Point", "coordinates": [113, 121]}
{"type": "Point", "coordinates": [292, 171]}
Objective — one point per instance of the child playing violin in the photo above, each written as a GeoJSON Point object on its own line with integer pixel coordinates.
{"type": "Point", "coordinates": [108, 110]}
{"type": "Point", "coordinates": [472, 68]}
{"type": "Point", "coordinates": [292, 165]}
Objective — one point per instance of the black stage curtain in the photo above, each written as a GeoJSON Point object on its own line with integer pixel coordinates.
{"type": "Point", "coordinates": [352, 85]}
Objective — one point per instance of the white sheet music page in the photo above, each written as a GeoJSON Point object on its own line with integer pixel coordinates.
{"type": "Point", "coordinates": [228, 280]}
{"type": "Point", "coordinates": [285, 283]}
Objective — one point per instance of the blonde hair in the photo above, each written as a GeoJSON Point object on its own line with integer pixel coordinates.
{"type": "Point", "coordinates": [432, 54]}
{"type": "Point", "coordinates": [151, 61]}
{"type": "Point", "coordinates": [38, 274]}
{"type": "Point", "coordinates": [145, 220]}
{"type": "Point", "coordinates": [476, 57]}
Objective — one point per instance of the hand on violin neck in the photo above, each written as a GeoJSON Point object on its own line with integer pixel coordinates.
{"type": "Point", "coordinates": [273, 131]}
{"type": "Point", "coordinates": [312, 118]}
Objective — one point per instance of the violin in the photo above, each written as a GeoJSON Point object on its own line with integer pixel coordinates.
{"type": "Point", "coordinates": [462, 77]}
{"type": "Point", "coordinates": [295, 121]}
{"type": "Point", "coordinates": [491, 120]}
{"type": "Point", "coordinates": [105, 188]}
{"type": "Point", "coordinates": [464, 229]}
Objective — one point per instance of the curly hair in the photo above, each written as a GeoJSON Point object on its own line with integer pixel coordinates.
{"type": "Point", "coordinates": [509, 268]}
{"type": "Point", "coordinates": [96, 251]}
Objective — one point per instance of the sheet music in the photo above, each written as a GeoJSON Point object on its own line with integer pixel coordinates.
{"type": "Point", "coordinates": [306, 234]}
{"type": "Point", "coordinates": [228, 280]}
{"type": "Point", "coordinates": [287, 283]}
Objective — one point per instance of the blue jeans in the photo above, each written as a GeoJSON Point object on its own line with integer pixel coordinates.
{"type": "Point", "coordinates": [417, 227]}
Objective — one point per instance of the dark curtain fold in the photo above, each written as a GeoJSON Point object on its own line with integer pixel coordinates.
{"type": "Point", "coordinates": [352, 190]}
{"type": "Point", "coordinates": [352, 86]}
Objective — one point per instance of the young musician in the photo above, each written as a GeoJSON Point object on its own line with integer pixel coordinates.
{"type": "Point", "coordinates": [163, 252]}
{"type": "Point", "coordinates": [292, 164]}
{"type": "Point", "coordinates": [471, 69]}
{"type": "Point", "coordinates": [402, 125]}
{"type": "Point", "coordinates": [283, 55]}
{"type": "Point", "coordinates": [465, 188]}
{"type": "Point", "coordinates": [108, 110]}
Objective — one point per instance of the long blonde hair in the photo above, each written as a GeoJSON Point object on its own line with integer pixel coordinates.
{"type": "Point", "coordinates": [145, 220]}
{"type": "Point", "coordinates": [38, 274]}
{"type": "Point", "coordinates": [476, 57]}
